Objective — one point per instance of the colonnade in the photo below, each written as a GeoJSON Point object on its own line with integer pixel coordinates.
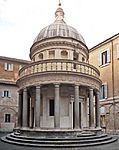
{"type": "Point", "coordinates": [23, 107]}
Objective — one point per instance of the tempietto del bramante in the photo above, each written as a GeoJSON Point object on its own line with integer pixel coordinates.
{"type": "Point", "coordinates": [59, 92]}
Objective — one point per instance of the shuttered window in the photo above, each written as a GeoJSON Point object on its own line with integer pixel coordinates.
{"type": "Point", "coordinates": [8, 67]}
{"type": "Point", "coordinates": [6, 94]}
{"type": "Point", "coordinates": [104, 57]}
{"type": "Point", "coordinates": [103, 91]}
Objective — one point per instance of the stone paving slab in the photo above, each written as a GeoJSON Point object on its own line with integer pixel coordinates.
{"type": "Point", "coordinates": [6, 146]}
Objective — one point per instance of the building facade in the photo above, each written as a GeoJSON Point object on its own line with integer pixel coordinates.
{"type": "Point", "coordinates": [105, 56]}
{"type": "Point", "coordinates": [9, 68]}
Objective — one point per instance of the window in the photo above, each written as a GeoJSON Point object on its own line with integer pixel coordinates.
{"type": "Point", "coordinates": [8, 67]}
{"type": "Point", "coordinates": [51, 54]}
{"type": "Point", "coordinates": [51, 107]}
{"type": "Point", "coordinates": [75, 56]}
{"type": "Point", "coordinates": [83, 59]}
{"type": "Point", "coordinates": [74, 65]}
{"type": "Point", "coordinates": [103, 92]}
{"type": "Point", "coordinates": [41, 56]}
{"type": "Point", "coordinates": [6, 94]}
{"type": "Point", "coordinates": [7, 117]}
{"type": "Point", "coordinates": [64, 54]}
{"type": "Point", "coordinates": [104, 57]}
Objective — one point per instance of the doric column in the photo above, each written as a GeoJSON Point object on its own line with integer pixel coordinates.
{"type": "Point", "coordinates": [57, 107]}
{"type": "Point", "coordinates": [76, 106]}
{"type": "Point", "coordinates": [97, 109]}
{"type": "Point", "coordinates": [91, 108]}
{"type": "Point", "coordinates": [25, 109]}
{"type": "Point", "coordinates": [85, 107]}
{"type": "Point", "coordinates": [37, 107]}
{"type": "Point", "coordinates": [20, 109]}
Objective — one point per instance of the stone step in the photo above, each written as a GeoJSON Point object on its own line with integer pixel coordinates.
{"type": "Point", "coordinates": [58, 145]}
{"type": "Point", "coordinates": [59, 138]}
{"type": "Point", "coordinates": [69, 139]}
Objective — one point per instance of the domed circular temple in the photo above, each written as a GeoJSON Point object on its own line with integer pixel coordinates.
{"type": "Point", "coordinates": [57, 89]}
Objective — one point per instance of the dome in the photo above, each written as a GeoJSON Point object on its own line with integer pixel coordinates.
{"type": "Point", "coordinates": [59, 29]}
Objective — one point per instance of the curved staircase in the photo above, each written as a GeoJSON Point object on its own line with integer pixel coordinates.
{"type": "Point", "coordinates": [79, 140]}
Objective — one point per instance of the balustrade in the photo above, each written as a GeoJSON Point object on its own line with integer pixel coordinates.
{"type": "Point", "coordinates": [59, 65]}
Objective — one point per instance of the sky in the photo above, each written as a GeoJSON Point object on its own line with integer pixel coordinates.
{"type": "Point", "coordinates": [22, 20]}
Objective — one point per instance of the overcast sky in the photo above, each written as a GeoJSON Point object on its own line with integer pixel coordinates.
{"type": "Point", "coordinates": [22, 20]}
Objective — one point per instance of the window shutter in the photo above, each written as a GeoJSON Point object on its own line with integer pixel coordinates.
{"type": "Point", "coordinates": [11, 67]}
{"type": "Point", "coordinates": [9, 94]}
{"type": "Point", "coordinates": [108, 55]}
{"type": "Point", "coordinates": [105, 88]}
{"type": "Point", "coordinates": [100, 58]}
{"type": "Point", "coordinates": [5, 66]}
{"type": "Point", "coordinates": [2, 94]}
{"type": "Point", "coordinates": [117, 51]}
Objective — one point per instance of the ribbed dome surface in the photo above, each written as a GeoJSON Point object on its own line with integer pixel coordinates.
{"type": "Point", "coordinates": [57, 29]}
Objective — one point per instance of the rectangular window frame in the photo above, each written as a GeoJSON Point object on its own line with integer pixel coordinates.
{"type": "Point", "coordinates": [103, 92]}
{"type": "Point", "coordinates": [51, 54]}
{"type": "Point", "coordinates": [6, 93]}
{"type": "Point", "coordinates": [7, 118]}
{"type": "Point", "coordinates": [8, 67]}
{"type": "Point", "coordinates": [51, 107]}
{"type": "Point", "coordinates": [104, 57]}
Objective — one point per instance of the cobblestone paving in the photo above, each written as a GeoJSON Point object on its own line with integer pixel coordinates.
{"type": "Point", "coordinates": [6, 146]}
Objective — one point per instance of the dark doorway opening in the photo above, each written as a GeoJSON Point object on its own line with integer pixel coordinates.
{"type": "Point", "coordinates": [51, 107]}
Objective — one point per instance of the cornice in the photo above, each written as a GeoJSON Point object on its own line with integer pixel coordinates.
{"type": "Point", "coordinates": [59, 77]}
{"type": "Point", "coordinates": [58, 42]}
{"type": "Point", "coordinates": [14, 60]}
{"type": "Point", "coordinates": [104, 42]}
{"type": "Point", "coordinates": [7, 82]}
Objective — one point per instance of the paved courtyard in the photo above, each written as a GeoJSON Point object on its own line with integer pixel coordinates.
{"type": "Point", "coordinates": [5, 146]}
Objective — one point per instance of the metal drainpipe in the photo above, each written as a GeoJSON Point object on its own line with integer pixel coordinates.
{"type": "Point", "coordinates": [113, 97]}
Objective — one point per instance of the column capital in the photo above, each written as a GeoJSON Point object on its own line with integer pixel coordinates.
{"type": "Point", "coordinates": [38, 86]}
{"type": "Point", "coordinates": [76, 84]}
{"type": "Point", "coordinates": [25, 90]}
{"type": "Point", "coordinates": [20, 92]}
{"type": "Point", "coordinates": [57, 85]}
{"type": "Point", "coordinates": [90, 89]}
